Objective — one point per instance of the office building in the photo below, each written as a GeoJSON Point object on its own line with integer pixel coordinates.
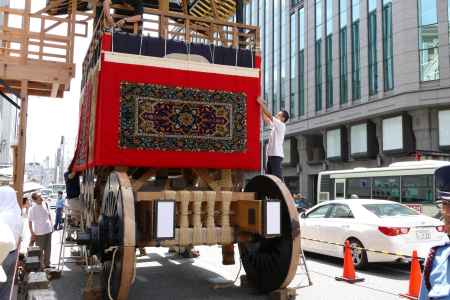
{"type": "Point", "coordinates": [367, 82]}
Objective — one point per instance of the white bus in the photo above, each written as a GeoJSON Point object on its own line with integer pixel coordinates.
{"type": "Point", "coordinates": [413, 183]}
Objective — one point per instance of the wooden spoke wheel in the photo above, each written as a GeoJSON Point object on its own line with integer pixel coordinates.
{"type": "Point", "coordinates": [116, 229]}
{"type": "Point", "coordinates": [88, 204]}
{"type": "Point", "coordinates": [271, 263]}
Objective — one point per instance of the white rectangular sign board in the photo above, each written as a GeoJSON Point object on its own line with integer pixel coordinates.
{"type": "Point", "coordinates": [165, 225]}
{"type": "Point", "coordinates": [273, 219]}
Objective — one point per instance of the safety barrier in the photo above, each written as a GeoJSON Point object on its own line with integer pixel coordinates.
{"type": "Point", "coordinates": [361, 248]}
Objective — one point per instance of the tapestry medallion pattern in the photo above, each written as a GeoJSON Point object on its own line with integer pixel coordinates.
{"type": "Point", "coordinates": [163, 118]}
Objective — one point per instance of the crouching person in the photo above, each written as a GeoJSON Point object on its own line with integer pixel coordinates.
{"type": "Point", "coordinates": [40, 224]}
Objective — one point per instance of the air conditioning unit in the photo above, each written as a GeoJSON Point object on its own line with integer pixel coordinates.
{"type": "Point", "coordinates": [324, 196]}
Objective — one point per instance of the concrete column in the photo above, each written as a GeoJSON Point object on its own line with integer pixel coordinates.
{"type": "Point", "coordinates": [421, 128]}
{"type": "Point", "coordinates": [444, 55]}
{"type": "Point", "coordinates": [310, 81]}
{"type": "Point", "coordinates": [406, 52]}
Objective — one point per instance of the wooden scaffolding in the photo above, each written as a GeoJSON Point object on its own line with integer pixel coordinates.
{"type": "Point", "coordinates": [36, 59]}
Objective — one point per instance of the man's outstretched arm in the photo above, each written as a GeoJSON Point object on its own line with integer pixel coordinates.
{"type": "Point", "coordinates": [267, 116]}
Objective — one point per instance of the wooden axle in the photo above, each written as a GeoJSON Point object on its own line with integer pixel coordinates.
{"type": "Point", "coordinates": [202, 217]}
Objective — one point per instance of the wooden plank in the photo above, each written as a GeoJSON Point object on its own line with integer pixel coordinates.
{"type": "Point", "coordinates": [247, 215]}
{"type": "Point", "coordinates": [153, 196]}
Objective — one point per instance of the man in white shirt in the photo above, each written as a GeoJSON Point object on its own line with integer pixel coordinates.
{"type": "Point", "coordinates": [40, 224]}
{"type": "Point", "coordinates": [277, 125]}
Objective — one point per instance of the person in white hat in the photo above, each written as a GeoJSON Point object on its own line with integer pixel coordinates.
{"type": "Point", "coordinates": [11, 225]}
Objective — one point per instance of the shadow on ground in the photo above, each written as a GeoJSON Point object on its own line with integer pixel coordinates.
{"type": "Point", "coordinates": [160, 277]}
{"type": "Point", "coordinates": [172, 279]}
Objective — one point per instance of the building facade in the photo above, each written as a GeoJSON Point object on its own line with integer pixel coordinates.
{"type": "Point", "coordinates": [366, 82]}
{"type": "Point", "coordinates": [8, 125]}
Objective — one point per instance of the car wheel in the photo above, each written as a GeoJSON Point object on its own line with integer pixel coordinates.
{"type": "Point", "coordinates": [359, 256]}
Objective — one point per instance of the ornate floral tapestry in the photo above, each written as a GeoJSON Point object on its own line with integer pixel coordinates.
{"type": "Point", "coordinates": [163, 118]}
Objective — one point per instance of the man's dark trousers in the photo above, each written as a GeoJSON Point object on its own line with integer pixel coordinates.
{"type": "Point", "coordinates": [58, 218]}
{"type": "Point", "coordinates": [274, 166]}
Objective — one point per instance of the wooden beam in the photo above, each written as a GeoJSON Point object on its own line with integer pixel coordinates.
{"type": "Point", "coordinates": [55, 88]}
{"type": "Point", "coordinates": [139, 183]}
{"type": "Point", "coordinates": [22, 143]}
{"type": "Point", "coordinates": [204, 175]}
{"type": "Point", "coordinates": [153, 196]}
{"type": "Point", "coordinates": [25, 30]}
{"type": "Point", "coordinates": [38, 71]}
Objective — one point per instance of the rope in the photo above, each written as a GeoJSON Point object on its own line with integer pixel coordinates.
{"type": "Point", "coordinates": [110, 273]}
{"type": "Point", "coordinates": [140, 46]}
{"type": "Point", "coordinates": [360, 248]}
{"type": "Point", "coordinates": [230, 284]}
{"type": "Point", "coordinates": [112, 39]}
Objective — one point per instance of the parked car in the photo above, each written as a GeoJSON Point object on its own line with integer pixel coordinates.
{"type": "Point", "coordinates": [370, 224]}
{"type": "Point", "coordinates": [51, 200]}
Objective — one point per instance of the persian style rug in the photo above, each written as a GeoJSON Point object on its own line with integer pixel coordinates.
{"type": "Point", "coordinates": [164, 118]}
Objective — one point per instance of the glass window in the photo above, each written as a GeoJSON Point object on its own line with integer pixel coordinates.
{"type": "Point", "coordinates": [318, 55]}
{"type": "Point", "coordinates": [393, 133]}
{"type": "Point", "coordinates": [333, 143]}
{"type": "Point", "coordinates": [341, 211]}
{"type": "Point", "coordinates": [301, 62]}
{"type": "Point", "coordinates": [358, 139]}
{"type": "Point", "coordinates": [444, 127]}
{"type": "Point", "coordinates": [358, 186]}
{"type": "Point", "coordinates": [390, 210]}
{"type": "Point", "coordinates": [320, 212]}
{"type": "Point", "coordinates": [417, 189]}
{"type": "Point", "coordinates": [343, 78]}
{"type": "Point", "coordinates": [356, 55]}
{"type": "Point", "coordinates": [284, 80]}
{"type": "Point", "coordinates": [388, 49]}
{"type": "Point", "coordinates": [387, 188]}
{"type": "Point", "coordinates": [373, 63]}
{"type": "Point", "coordinates": [329, 55]}
{"type": "Point", "coordinates": [428, 40]}
{"type": "Point", "coordinates": [427, 12]}
{"type": "Point", "coordinates": [254, 12]}
{"type": "Point", "coordinates": [340, 190]}
{"type": "Point", "coordinates": [293, 65]}
{"type": "Point", "coordinates": [276, 97]}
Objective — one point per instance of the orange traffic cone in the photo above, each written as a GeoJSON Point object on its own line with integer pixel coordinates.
{"type": "Point", "coordinates": [415, 278]}
{"type": "Point", "coordinates": [349, 269]}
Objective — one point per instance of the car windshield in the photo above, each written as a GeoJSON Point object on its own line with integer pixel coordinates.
{"type": "Point", "coordinates": [390, 210]}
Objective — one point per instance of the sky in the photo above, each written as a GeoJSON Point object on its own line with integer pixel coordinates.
{"type": "Point", "coordinates": [51, 118]}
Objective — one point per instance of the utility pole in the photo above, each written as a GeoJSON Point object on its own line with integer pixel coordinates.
{"type": "Point", "coordinates": [61, 161]}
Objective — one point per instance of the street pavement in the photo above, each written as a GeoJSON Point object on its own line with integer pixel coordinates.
{"type": "Point", "coordinates": [162, 276]}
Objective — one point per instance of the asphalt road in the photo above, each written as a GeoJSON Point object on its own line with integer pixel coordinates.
{"type": "Point", "coordinates": [161, 276]}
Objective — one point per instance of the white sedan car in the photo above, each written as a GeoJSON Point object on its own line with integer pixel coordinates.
{"type": "Point", "coordinates": [371, 224]}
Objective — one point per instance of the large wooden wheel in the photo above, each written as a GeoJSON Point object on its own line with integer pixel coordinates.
{"type": "Point", "coordinates": [117, 235]}
{"type": "Point", "coordinates": [271, 263]}
{"type": "Point", "coordinates": [88, 204]}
